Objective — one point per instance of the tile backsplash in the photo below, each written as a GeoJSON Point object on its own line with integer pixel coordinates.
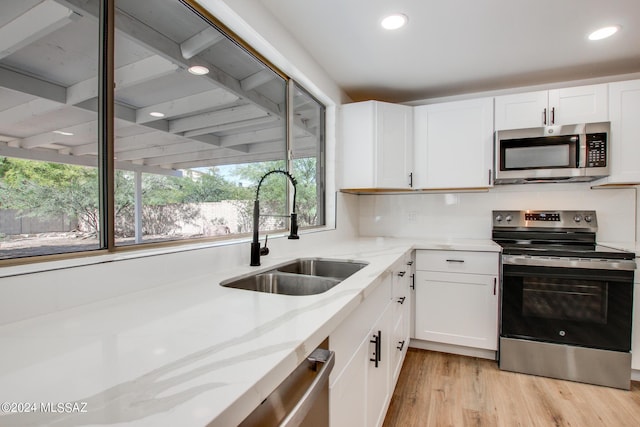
{"type": "Point", "coordinates": [468, 215]}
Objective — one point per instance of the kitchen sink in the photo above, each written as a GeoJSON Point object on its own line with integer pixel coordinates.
{"type": "Point", "coordinates": [338, 269]}
{"type": "Point", "coordinates": [304, 276]}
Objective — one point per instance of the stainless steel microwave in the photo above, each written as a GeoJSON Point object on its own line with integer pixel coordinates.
{"type": "Point", "coordinates": [570, 153]}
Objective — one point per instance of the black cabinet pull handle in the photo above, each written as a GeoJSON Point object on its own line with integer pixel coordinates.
{"type": "Point", "coordinates": [401, 300]}
{"type": "Point", "coordinates": [377, 340]}
{"type": "Point", "coordinates": [553, 115]}
{"type": "Point", "coordinates": [400, 345]}
{"type": "Point", "coordinates": [413, 281]}
{"type": "Point", "coordinates": [411, 180]}
{"type": "Point", "coordinates": [544, 116]}
{"type": "Point", "coordinates": [409, 262]}
{"type": "Point", "coordinates": [494, 285]}
{"type": "Point", "coordinates": [455, 260]}
{"type": "Point", "coordinates": [402, 273]}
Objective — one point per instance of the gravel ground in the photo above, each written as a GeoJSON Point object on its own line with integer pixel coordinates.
{"type": "Point", "coordinates": [45, 244]}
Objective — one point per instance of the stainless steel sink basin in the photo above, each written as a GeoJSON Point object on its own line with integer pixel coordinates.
{"type": "Point", "coordinates": [274, 282]}
{"type": "Point", "coordinates": [304, 276]}
{"type": "Point", "coordinates": [339, 269]}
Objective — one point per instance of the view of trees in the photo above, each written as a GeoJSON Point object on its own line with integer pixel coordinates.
{"type": "Point", "coordinates": [40, 189]}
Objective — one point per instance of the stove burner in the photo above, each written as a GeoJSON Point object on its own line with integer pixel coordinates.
{"type": "Point", "coordinates": [551, 233]}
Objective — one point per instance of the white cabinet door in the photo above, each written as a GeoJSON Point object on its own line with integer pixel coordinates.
{"type": "Point", "coordinates": [394, 160]}
{"type": "Point", "coordinates": [521, 110]}
{"type": "Point", "coordinates": [347, 396]}
{"type": "Point", "coordinates": [360, 392]}
{"type": "Point", "coordinates": [459, 309]}
{"type": "Point", "coordinates": [379, 388]}
{"type": "Point", "coordinates": [454, 144]}
{"type": "Point", "coordinates": [580, 104]}
{"type": "Point", "coordinates": [624, 148]}
{"type": "Point", "coordinates": [377, 140]}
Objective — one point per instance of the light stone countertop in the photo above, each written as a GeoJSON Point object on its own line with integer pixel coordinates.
{"type": "Point", "coordinates": [624, 246]}
{"type": "Point", "coordinates": [191, 353]}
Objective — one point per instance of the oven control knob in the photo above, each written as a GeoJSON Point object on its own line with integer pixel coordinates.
{"type": "Point", "coordinates": [562, 333]}
{"type": "Point", "coordinates": [498, 218]}
{"type": "Point", "coordinates": [577, 218]}
{"type": "Point", "coordinates": [588, 218]}
{"type": "Point", "coordinates": [508, 218]}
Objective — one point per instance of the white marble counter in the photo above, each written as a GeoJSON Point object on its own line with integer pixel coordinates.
{"type": "Point", "coordinates": [624, 246]}
{"type": "Point", "coordinates": [191, 353]}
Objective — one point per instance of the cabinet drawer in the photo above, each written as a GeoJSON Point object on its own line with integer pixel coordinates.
{"type": "Point", "coordinates": [457, 261]}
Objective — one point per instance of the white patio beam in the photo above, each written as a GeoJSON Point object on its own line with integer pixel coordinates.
{"type": "Point", "coordinates": [201, 41]}
{"type": "Point", "coordinates": [199, 155]}
{"type": "Point", "coordinates": [231, 160]}
{"type": "Point", "coordinates": [29, 109]}
{"type": "Point", "coordinates": [33, 86]}
{"type": "Point", "coordinates": [230, 126]}
{"type": "Point", "coordinates": [147, 69]}
{"type": "Point", "coordinates": [254, 137]}
{"type": "Point", "coordinates": [257, 79]}
{"type": "Point", "coordinates": [32, 25]}
{"type": "Point", "coordinates": [161, 150]}
{"type": "Point", "coordinates": [53, 156]}
{"type": "Point", "coordinates": [206, 100]}
{"type": "Point", "coordinates": [228, 115]}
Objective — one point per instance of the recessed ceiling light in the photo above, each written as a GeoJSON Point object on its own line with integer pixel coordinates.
{"type": "Point", "coordinates": [393, 22]}
{"type": "Point", "coordinates": [60, 132]}
{"type": "Point", "coordinates": [603, 33]}
{"type": "Point", "coordinates": [156, 114]}
{"type": "Point", "coordinates": [198, 70]}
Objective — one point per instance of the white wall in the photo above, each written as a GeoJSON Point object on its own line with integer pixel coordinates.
{"type": "Point", "coordinates": [638, 215]}
{"type": "Point", "coordinates": [468, 215]}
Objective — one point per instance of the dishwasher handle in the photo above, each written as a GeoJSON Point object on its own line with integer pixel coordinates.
{"type": "Point", "coordinates": [300, 410]}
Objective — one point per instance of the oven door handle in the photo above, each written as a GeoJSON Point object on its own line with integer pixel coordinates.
{"type": "Point", "coordinates": [592, 264]}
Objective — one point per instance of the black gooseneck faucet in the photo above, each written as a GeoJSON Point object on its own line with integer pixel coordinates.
{"type": "Point", "coordinates": [256, 250]}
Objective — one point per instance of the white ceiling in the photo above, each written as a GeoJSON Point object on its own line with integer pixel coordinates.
{"type": "Point", "coordinates": [459, 46]}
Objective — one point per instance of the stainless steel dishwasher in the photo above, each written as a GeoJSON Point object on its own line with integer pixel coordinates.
{"type": "Point", "coordinates": [300, 400]}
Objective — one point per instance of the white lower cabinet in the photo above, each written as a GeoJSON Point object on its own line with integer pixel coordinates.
{"type": "Point", "coordinates": [457, 298]}
{"type": "Point", "coordinates": [379, 388]}
{"type": "Point", "coordinates": [347, 401]}
{"type": "Point", "coordinates": [402, 298]}
{"type": "Point", "coordinates": [368, 357]}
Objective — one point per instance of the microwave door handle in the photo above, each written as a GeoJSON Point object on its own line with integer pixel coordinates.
{"type": "Point", "coordinates": [582, 152]}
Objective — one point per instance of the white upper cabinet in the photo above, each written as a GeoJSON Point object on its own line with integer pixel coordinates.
{"type": "Point", "coordinates": [624, 148]}
{"type": "Point", "coordinates": [580, 104]}
{"type": "Point", "coordinates": [454, 144]}
{"type": "Point", "coordinates": [377, 139]}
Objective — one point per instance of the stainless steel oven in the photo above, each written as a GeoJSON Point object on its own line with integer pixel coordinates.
{"type": "Point", "coordinates": [566, 302]}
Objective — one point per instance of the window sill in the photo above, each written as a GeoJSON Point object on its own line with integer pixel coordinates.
{"type": "Point", "coordinates": [130, 252]}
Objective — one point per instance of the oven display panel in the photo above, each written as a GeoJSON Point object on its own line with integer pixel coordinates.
{"type": "Point", "coordinates": [542, 216]}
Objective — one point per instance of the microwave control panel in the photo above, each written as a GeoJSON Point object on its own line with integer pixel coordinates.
{"type": "Point", "coordinates": [596, 150]}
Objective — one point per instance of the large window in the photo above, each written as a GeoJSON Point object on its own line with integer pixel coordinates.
{"type": "Point", "coordinates": [198, 120]}
{"type": "Point", "coordinates": [48, 129]}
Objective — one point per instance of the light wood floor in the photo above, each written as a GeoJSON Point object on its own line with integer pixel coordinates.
{"type": "Point", "coordinates": [439, 390]}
